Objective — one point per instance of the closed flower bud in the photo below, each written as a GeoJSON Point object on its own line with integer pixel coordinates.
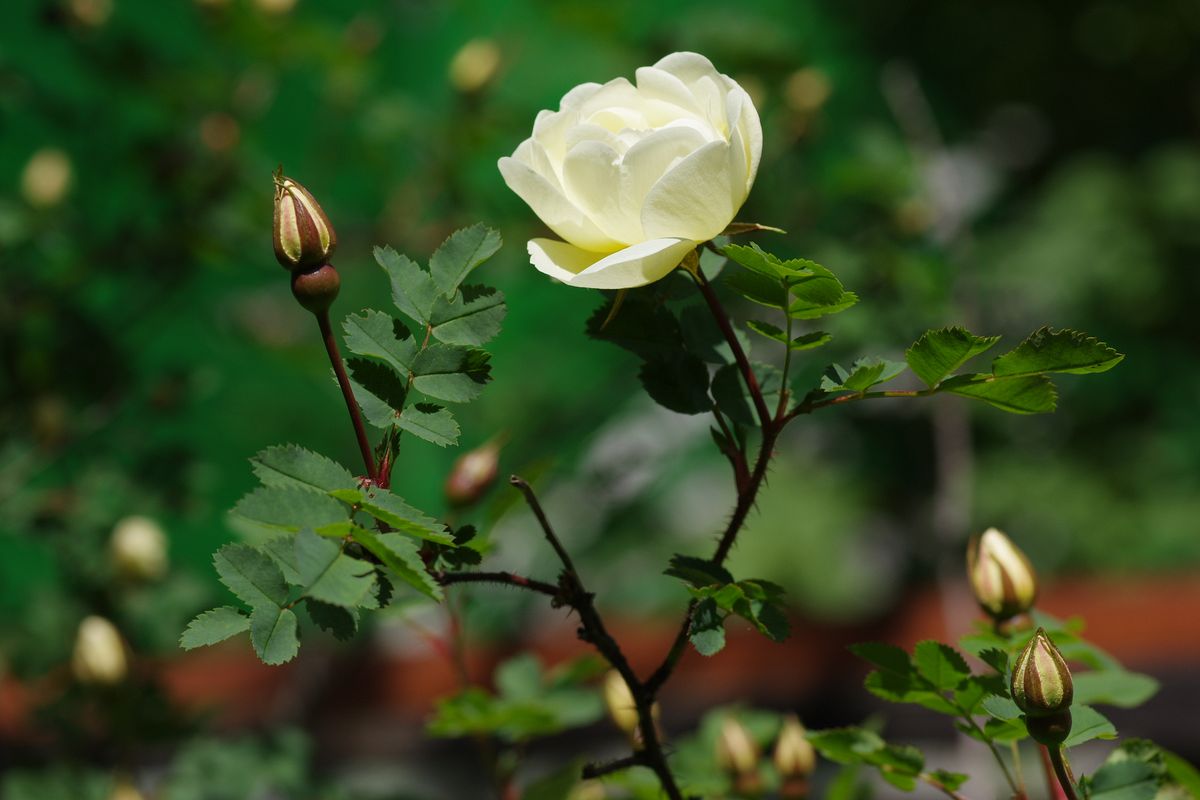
{"type": "Point", "coordinates": [303, 235]}
{"type": "Point", "coordinates": [1041, 687]}
{"type": "Point", "coordinates": [99, 656]}
{"type": "Point", "coordinates": [473, 474]}
{"type": "Point", "coordinates": [124, 789]}
{"type": "Point", "coordinates": [1001, 576]}
{"type": "Point", "coordinates": [794, 755]}
{"type": "Point", "coordinates": [737, 753]}
{"type": "Point", "coordinates": [139, 548]}
{"type": "Point", "coordinates": [622, 708]}
{"type": "Point", "coordinates": [316, 289]}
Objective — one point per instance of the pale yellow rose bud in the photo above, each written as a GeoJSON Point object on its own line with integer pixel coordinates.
{"type": "Point", "coordinates": [303, 236]}
{"type": "Point", "coordinates": [736, 751]}
{"type": "Point", "coordinates": [474, 65]}
{"type": "Point", "coordinates": [1001, 576]}
{"type": "Point", "coordinates": [473, 474]}
{"type": "Point", "coordinates": [46, 178]}
{"type": "Point", "coordinates": [794, 754]}
{"type": "Point", "coordinates": [1042, 687]}
{"type": "Point", "coordinates": [619, 700]}
{"type": "Point", "coordinates": [99, 656]}
{"type": "Point", "coordinates": [139, 548]}
{"type": "Point", "coordinates": [123, 789]}
{"type": "Point", "coordinates": [588, 790]}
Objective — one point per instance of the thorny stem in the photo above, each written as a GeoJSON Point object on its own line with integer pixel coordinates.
{"type": "Point", "coordinates": [616, 765]}
{"type": "Point", "coordinates": [502, 578]}
{"type": "Point", "coordinates": [339, 369]}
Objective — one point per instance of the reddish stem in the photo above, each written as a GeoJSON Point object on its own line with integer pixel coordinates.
{"type": "Point", "coordinates": [339, 369]}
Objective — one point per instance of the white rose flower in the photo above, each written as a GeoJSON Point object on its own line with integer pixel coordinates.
{"type": "Point", "coordinates": [633, 177]}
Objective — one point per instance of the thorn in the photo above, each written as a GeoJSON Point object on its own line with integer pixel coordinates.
{"type": "Point", "coordinates": [618, 301]}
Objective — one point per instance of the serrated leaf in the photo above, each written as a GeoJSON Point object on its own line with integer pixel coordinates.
{"type": "Point", "coordinates": [817, 294]}
{"type": "Point", "coordinates": [888, 657]}
{"type": "Point", "coordinates": [391, 510]}
{"type": "Point", "coordinates": [940, 664]}
{"type": "Point", "coordinates": [1048, 350]}
{"type": "Point", "coordinates": [1001, 707]}
{"type": "Point", "coordinates": [430, 422]}
{"type": "Point", "coordinates": [1087, 724]}
{"type": "Point", "coordinates": [940, 352]}
{"type": "Point", "coordinates": [1000, 730]}
{"type": "Point", "coordinates": [1033, 394]}
{"type": "Point", "coordinates": [282, 551]}
{"type": "Point", "coordinates": [413, 290]}
{"type": "Point", "coordinates": [898, 688]}
{"type": "Point", "coordinates": [995, 658]}
{"type": "Point", "coordinates": [704, 339]}
{"type": "Point", "coordinates": [707, 632]}
{"type": "Point", "coordinates": [272, 509]}
{"type": "Point", "coordinates": [462, 252]}
{"type": "Point", "coordinates": [805, 341]}
{"type": "Point", "coordinates": [640, 325]}
{"type": "Point", "coordinates": [273, 632]}
{"type": "Point", "coordinates": [401, 555]}
{"type": "Point", "coordinates": [697, 571]}
{"type": "Point", "coordinates": [951, 780]}
{"type": "Point", "coordinates": [862, 375]}
{"type": "Point", "coordinates": [328, 574]}
{"type": "Point", "coordinates": [451, 373]}
{"type": "Point", "coordinates": [757, 288]}
{"type": "Point", "coordinates": [339, 621]}
{"type": "Point", "coordinates": [1115, 687]}
{"type": "Point", "coordinates": [251, 575]}
{"type": "Point", "coordinates": [291, 466]}
{"type": "Point", "coordinates": [214, 626]}
{"type": "Point", "coordinates": [472, 317]}
{"type": "Point", "coordinates": [373, 334]}
{"type": "Point", "coordinates": [679, 383]}
{"type": "Point", "coordinates": [379, 390]}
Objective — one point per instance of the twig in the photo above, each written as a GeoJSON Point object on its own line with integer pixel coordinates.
{"type": "Point", "coordinates": [616, 765]}
{"type": "Point", "coordinates": [339, 369]}
{"type": "Point", "coordinates": [524, 488]}
{"type": "Point", "coordinates": [739, 355]}
{"type": "Point", "coordinates": [502, 578]}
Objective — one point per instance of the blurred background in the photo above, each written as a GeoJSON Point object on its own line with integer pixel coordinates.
{"type": "Point", "coordinates": [1002, 166]}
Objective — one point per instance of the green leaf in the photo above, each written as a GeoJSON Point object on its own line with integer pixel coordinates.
{"type": "Point", "coordinates": [472, 317]}
{"type": "Point", "coordinates": [1048, 350]}
{"type": "Point", "coordinates": [1001, 707]}
{"type": "Point", "coordinates": [1115, 687]}
{"type": "Point", "coordinates": [272, 509]}
{"type": "Point", "coordinates": [1033, 394]}
{"type": "Point", "coordinates": [391, 510]}
{"type": "Point", "coordinates": [887, 657]}
{"type": "Point", "coordinates": [1086, 724]}
{"type": "Point", "coordinates": [214, 626]}
{"type": "Point", "coordinates": [1000, 730]}
{"type": "Point", "coordinates": [413, 290]}
{"type": "Point", "coordinates": [641, 325]}
{"type": "Point", "coordinates": [818, 294]}
{"type": "Point", "coordinates": [951, 780]}
{"type": "Point", "coordinates": [339, 621]}
{"type": "Point", "coordinates": [430, 422]}
{"type": "Point", "coordinates": [707, 633]}
{"type": "Point", "coordinates": [373, 334]}
{"type": "Point", "coordinates": [805, 341]}
{"type": "Point", "coordinates": [697, 571]}
{"type": "Point", "coordinates": [273, 632]}
{"type": "Point", "coordinates": [940, 352]}
{"type": "Point", "coordinates": [328, 574]}
{"type": "Point", "coordinates": [451, 373]}
{"type": "Point", "coordinates": [848, 745]}
{"type": "Point", "coordinates": [733, 398]}
{"type": "Point", "coordinates": [757, 288]}
{"type": "Point", "coordinates": [291, 466]}
{"type": "Point", "coordinates": [940, 664]}
{"type": "Point", "coordinates": [401, 555]}
{"type": "Point", "coordinates": [1122, 780]}
{"type": "Point", "coordinates": [251, 575]}
{"type": "Point", "coordinates": [679, 383]}
{"type": "Point", "coordinates": [461, 253]}
{"type": "Point", "coordinates": [995, 658]}
{"type": "Point", "coordinates": [703, 338]}
{"type": "Point", "coordinates": [862, 375]}
{"type": "Point", "coordinates": [897, 688]}
{"type": "Point", "coordinates": [1182, 773]}
{"type": "Point", "coordinates": [757, 260]}
{"type": "Point", "coordinates": [380, 392]}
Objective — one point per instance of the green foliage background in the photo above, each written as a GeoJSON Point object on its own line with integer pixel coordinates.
{"type": "Point", "coordinates": [150, 345]}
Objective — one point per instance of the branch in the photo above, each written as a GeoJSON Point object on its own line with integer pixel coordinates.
{"type": "Point", "coordinates": [503, 578]}
{"type": "Point", "coordinates": [616, 765]}
{"type": "Point", "coordinates": [339, 369]}
{"type": "Point", "coordinates": [739, 355]}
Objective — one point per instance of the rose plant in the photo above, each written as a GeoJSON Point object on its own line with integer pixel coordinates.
{"type": "Point", "coordinates": [642, 182]}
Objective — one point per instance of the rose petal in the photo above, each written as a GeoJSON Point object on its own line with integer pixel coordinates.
{"type": "Point", "coordinates": [653, 155]}
{"type": "Point", "coordinates": [694, 199]}
{"type": "Point", "coordinates": [592, 180]}
{"type": "Point", "coordinates": [636, 265]}
{"type": "Point", "coordinates": [559, 214]}
{"type": "Point", "coordinates": [688, 67]}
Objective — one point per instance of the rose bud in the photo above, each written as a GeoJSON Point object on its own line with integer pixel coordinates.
{"type": "Point", "coordinates": [1041, 687]}
{"type": "Point", "coordinates": [138, 548]}
{"type": "Point", "coordinates": [303, 236]}
{"type": "Point", "coordinates": [1001, 576]}
{"type": "Point", "coordinates": [622, 708]}
{"type": "Point", "coordinates": [473, 474]}
{"type": "Point", "coordinates": [738, 755]}
{"type": "Point", "coordinates": [99, 657]}
{"type": "Point", "coordinates": [795, 759]}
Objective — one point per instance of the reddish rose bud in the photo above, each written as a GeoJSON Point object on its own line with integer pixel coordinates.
{"type": "Point", "coordinates": [1001, 576]}
{"type": "Point", "coordinates": [473, 474]}
{"type": "Point", "coordinates": [316, 289]}
{"type": "Point", "coordinates": [303, 236]}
